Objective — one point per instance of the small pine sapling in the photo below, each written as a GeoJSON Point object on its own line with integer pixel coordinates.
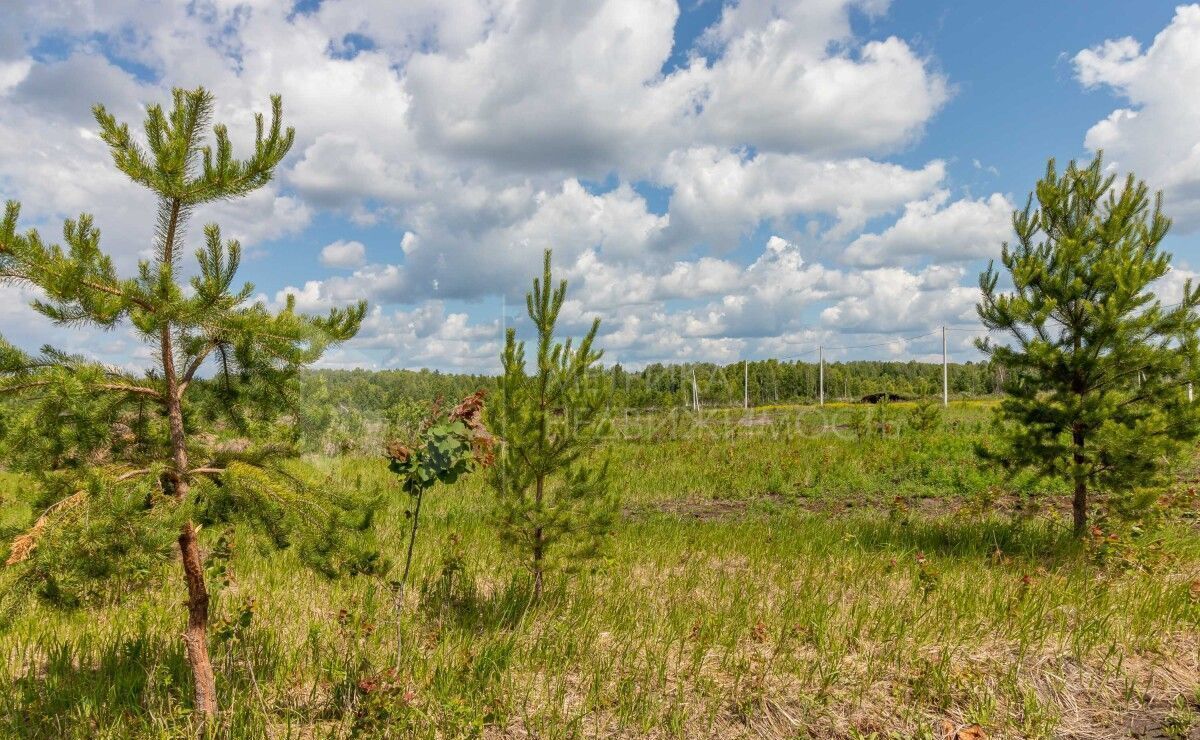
{"type": "Point", "coordinates": [1095, 366]}
{"type": "Point", "coordinates": [925, 416]}
{"type": "Point", "coordinates": [554, 504]}
{"type": "Point", "coordinates": [128, 463]}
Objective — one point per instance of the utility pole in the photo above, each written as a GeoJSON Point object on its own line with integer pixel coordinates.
{"type": "Point", "coordinates": [945, 372]}
{"type": "Point", "coordinates": [821, 373]}
{"type": "Point", "coordinates": [746, 384]}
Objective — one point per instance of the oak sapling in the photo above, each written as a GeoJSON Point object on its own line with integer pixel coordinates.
{"type": "Point", "coordinates": [447, 446]}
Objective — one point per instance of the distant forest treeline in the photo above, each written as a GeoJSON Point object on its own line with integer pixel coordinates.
{"type": "Point", "coordinates": [357, 410]}
{"type": "Point", "coordinates": [666, 386]}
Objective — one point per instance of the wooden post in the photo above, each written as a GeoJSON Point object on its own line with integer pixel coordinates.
{"type": "Point", "coordinates": [945, 372]}
{"type": "Point", "coordinates": [821, 373]}
{"type": "Point", "coordinates": [745, 384]}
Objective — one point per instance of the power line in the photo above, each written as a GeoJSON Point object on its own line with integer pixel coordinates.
{"type": "Point", "coordinates": [884, 343]}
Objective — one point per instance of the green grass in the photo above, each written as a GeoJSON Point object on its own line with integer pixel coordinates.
{"type": "Point", "coordinates": [739, 597]}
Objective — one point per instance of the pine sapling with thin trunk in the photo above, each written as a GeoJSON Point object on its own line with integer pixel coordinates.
{"type": "Point", "coordinates": [554, 505]}
{"type": "Point", "coordinates": [1095, 367]}
{"type": "Point", "coordinates": [120, 459]}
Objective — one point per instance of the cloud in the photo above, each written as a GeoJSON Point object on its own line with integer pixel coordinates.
{"type": "Point", "coordinates": [534, 94]}
{"type": "Point", "coordinates": [1169, 288]}
{"type": "Point", "coordinates": [694, 309]}
{"type": "Point", "coordinates": [13, 72]}
{"type": "Point", "coordinates": [703, 277]}
{"type": "Point", "coordinates": [530, 95]}
{"type": "Point", "coordinates": [895, 300]}
{"type": "Point", "coordinates": [344, 254]}
{"type": "Point", "coordinates": [791, 78]}
{"type": "Point", "coordinates": [476, 133]}
{"type": "Point", "coordinates": [427, 335]}
{"type": "Point", "coordinates": [954, 232]}
{"type": "Point", "coordinates": [768, 307]}
{"type": "Point", "coordinates": [720, 195]}
{"type": "Point", "coordinates": [1158, 135]}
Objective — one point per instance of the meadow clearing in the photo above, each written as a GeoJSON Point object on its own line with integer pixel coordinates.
{"type": "Point", "coordinates": [787, 572]}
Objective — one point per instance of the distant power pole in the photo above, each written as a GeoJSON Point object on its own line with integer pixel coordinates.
{"type": "Point", "coordinates": [745, 384]}
{"type": "Point", "coordinates": [945, 372]}
{"type": "Point", "coordinates": [821, 373]}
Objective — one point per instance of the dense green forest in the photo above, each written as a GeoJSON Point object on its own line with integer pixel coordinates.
{"type": "Point", "coordinates": [356, 410]}
{"type": "Point", "coordinates": [349, 410]}
{"type": "Point", "coordinates": [665, 386]}
{"type": "Point", "coordinates": [774, 381]}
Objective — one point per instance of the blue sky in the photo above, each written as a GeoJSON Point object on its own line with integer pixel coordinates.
{"type": "Point", "coordinates": [1017, 99]}
{"type": "Point", "coordinates": [718, 180]}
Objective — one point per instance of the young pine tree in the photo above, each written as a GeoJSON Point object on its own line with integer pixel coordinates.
{"type": "Point", "coordinates": [553, 504]}
{"type": "Point", "coordinates": [124, 468]}
{"type": "Point", "coordinates": [1095, 367]}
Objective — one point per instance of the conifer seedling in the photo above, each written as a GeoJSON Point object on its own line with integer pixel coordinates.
{"type": "Point", "coordinates": [554, 505]}
{"type": "Point", "coordinates": [1096, 367]}
{"type": "Point", "coordinates": [124, 461]}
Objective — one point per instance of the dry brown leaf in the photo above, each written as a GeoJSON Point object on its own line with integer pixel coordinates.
{"type": "Point", "coordinates": [967, 732]}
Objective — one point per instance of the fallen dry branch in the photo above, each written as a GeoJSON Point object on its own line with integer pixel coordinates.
{"type": "Point", "coordinates": [25, 544]}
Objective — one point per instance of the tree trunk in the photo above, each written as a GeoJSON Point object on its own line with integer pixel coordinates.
{"type": "Point", "coordinates": [1079, 508]}
{"type": "Point", "coordinates": [196, 636]}
{"type": "Point", "coordinates": [1079, 504]}
{"type": "Point", "coordinates": [399, 600]}
{"type": "Point", "coordinates": [537, 543]}
{"type": "Point", "coordinates": [537, 566]}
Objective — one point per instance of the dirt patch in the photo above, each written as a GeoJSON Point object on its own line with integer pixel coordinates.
{"type": "Point", "coordinates": [712, 509]}
{"type": "Point", "coordinates": [761, 420]}
{"type": "Point", "coordinates": [704, 509]}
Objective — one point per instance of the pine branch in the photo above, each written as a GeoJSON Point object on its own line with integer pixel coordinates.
{"type": "Point", "coordinates": [193, 366]}
{"type": "Point", "coordinates": [206, 471]}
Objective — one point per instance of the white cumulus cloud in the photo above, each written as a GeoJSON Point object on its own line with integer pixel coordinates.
{"type": "Point", "coordinates": [344, 254]}
{"type": "Point", "coordinates": [1157, 136]}
{"type": "Point", "coordinates": [935, 227]}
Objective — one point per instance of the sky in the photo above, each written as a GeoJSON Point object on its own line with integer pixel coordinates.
{"type": "Point", "coordinates": [718, 180]}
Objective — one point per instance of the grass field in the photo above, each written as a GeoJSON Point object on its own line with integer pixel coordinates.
{"type": "Point", "coordinates": [771, 576]}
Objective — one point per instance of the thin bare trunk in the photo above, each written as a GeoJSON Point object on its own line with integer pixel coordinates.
{"type": "Point", "coordinates": [195, 638]}
{"type": "Point", "coordinates": [1079, 504]}
{"type": "Point", "coordinates": [537, 543]}
{"type": "Point", "coordinates": [179, 456]}
{"type": "Point", "coordinates": [399, 604]}
{"type": "Point", "coordinates": [1078, 441]}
